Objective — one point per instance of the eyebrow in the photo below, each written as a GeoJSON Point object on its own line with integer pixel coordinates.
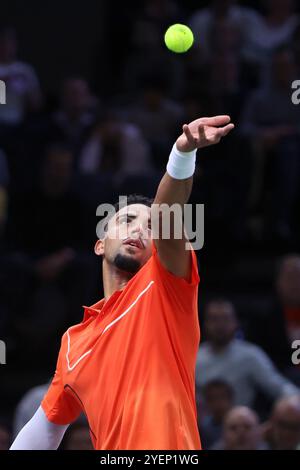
{"type": "Point", "coordinates": [127, 214]}
{"type": "Point", "coordinates": [133, 215]}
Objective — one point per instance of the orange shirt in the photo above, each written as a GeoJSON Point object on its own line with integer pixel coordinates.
{"type": "Point", "coordinates": [130, 365]}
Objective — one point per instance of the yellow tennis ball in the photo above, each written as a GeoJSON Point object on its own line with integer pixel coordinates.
{"type": "Point", "coordinates": [179, 38]}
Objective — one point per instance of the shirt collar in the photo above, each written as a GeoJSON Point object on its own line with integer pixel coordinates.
{"type": "Point", "coordinates": [93, 310]}
{"type": "Point", "coordinates": [96, 308]}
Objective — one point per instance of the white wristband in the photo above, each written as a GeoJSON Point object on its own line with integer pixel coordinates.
{"type": "Point", "coordinates": [181, 165]}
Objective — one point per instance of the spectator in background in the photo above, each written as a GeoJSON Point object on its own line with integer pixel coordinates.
{"type": "Point", "coordinates": [157, 116]}
{"type": "Point", "coordinates": [46, 229]}
{"type": "Point", "coordinates": [115, 148]}
{"type": "Point", "coordinates": [224, 66]}
{"type": "Point", "coordinates": [218, 398]}
{"type": "Point", "coordinates": [53, 221]}
{"type": "Point", "coordinates": [76, 114]}
{"type": "Point", "coordinates": [283, 313]}
{"type": "Point", "coordinates": [243, 365]}
{"type": "Point", "coordinates": [241, 431]}
{"type": "Point", "coordinates": [271, 31]}
{"type": "Point", "coordinates": [219, 74]}
{"type": "Point", "coordinates": [282, 431]}
{"type": "Point", "coordinates": [271, 121]}
{"type": "Point", "coordinates": [148, 51]}
{"type": "Point", "coordinates": [288, 288]}
{"type": "Point", "coordinates": [22, 86]}
{"type": "Point", "coordinates": [241, 18]}
{"type": "Point", "coordinates": [155, 16]}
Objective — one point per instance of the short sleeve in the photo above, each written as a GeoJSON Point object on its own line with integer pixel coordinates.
{"type": "Point", "coordinates": [181, 294]}
{"type": "Point", "coordinates": [194, 278]}
{"type": "Point", "coordinates": [59, 405]}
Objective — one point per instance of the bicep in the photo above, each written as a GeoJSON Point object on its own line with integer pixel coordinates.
{"type": "Point", "coordinates": [175, 256]}
{"type": "Point", "coordinates": [167, 216]}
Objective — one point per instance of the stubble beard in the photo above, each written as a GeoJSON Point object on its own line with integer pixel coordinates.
{"type": "Point", "coordinates": [127, 264]}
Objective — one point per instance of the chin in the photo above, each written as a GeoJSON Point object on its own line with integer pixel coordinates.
{"type": "Point", "coordinates": [127, 263]}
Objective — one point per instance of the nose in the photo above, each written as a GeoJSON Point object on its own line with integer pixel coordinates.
{"type": "Point", "coordinates": [138, 229]}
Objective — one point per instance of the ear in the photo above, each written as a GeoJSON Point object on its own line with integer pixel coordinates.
{"type": "Point", "coordinates": [99, 247]}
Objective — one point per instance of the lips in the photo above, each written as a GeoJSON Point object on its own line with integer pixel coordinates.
{"type": "Point", "coordinates": [134, 242]}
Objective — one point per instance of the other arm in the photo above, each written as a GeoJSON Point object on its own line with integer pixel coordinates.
{"type": "Point", "coordinates": [39, 434]}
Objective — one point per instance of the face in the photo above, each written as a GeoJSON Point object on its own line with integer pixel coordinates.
{"type": "Point", "coordinates": [288, 282]}
{"type": "Point", "coordinates": [220, 322]}
{"type": "Point", "coordinates": [57, 170]}
{"type": "Point", "coordinates": [241, 431]}
{"type": "Point", "coordinates": [286, 427]}
{"type": "Point", "coordinates": [127, 244]}
{"type": "Point", "coordinates": [76, 95]}
{"type": "Point", "coordinates": [218, 401]}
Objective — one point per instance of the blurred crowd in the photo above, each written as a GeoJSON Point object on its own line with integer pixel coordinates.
{"type": "Point", "coordinates": [61, 156]}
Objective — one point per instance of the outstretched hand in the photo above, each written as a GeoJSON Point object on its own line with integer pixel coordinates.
{"type": "Point", "coordinates": [203, 132]}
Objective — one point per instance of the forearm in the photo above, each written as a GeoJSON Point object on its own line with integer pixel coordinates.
{"type": "Point", "coordinates": [176, 184]}
{"type": "Point", "coordinates": [171, 191]}
{"type": "Point", "coordinates": [172, 194]}
{"type": "Point", "coordinates": [39, 434]}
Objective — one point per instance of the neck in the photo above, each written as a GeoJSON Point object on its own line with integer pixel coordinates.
{"type": "Point", "coordinates": [216, 347]}
{"type": "Point", "coordinates": [113, 279]}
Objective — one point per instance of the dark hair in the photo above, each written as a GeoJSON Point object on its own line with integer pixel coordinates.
{"type": "Point", "coordinates": [135, 199]}
{"type": "Point", "coordinates": [219, 301]}
{"type": "Point", "coordinates": [219, 383]}
{"type": "Point", "coordinates": [131, 199]}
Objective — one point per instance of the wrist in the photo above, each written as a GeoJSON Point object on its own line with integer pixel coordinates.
{"type": "Point", "coordinates": [184, 153]}
{"type": "Point", "coordinates": [181, 165]}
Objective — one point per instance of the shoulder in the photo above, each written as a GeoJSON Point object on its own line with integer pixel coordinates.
{"type": "Point", "coordinates": [249, 349]}
{"type": "Point", "coordinates": [162, 272]}
{"type": "Point", "coordinates": [23, 67]}
{"type": "Point", "coordinates": [204, 352]}
{"type": "Point", "coordinates": [72, 330]}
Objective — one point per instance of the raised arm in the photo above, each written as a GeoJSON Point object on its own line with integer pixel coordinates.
{"type": "Point", "coordinates": [176, 186]}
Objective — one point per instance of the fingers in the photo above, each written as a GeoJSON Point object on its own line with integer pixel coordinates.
{"type": "Point", "coordinates": [221, 120]}
{"type": "Point", "coordinates": [225, 130]}
{"type": "Point", "coordinates": [222, 132]}
{"type": "Point", "coordinates": [188, 133]}
{"type": "Point", "coordinates": [210, 131]}
{"type": "Point", "coordinates": [201, 132]}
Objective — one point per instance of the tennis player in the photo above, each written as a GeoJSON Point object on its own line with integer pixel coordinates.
{"type": "Point", "coordinates": [130, 364]}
